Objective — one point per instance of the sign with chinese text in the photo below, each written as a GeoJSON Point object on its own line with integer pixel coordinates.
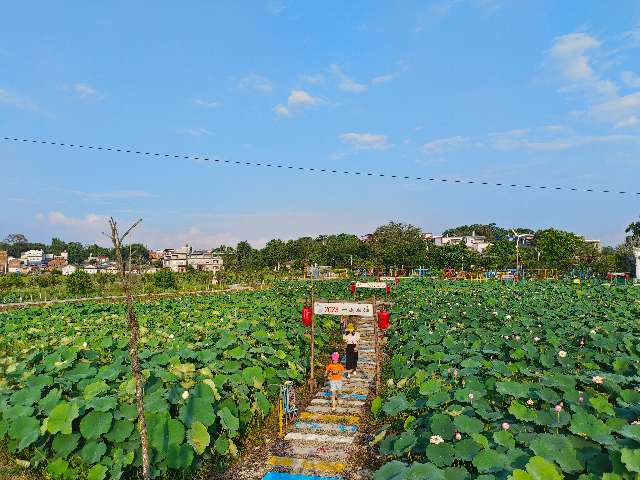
{"type": "Point", "coordinates": [359, 309]}
{"type": "Point", "coordinates": [371, 285]}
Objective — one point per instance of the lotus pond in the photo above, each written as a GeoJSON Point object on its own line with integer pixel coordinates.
{"type": "Point", "coordinates": [530, 381]}
{"type": "Point", "coordinates": [212, 365]}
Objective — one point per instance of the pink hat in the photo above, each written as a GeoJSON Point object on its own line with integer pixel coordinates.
{"type": "Point", "coordinates": [335, 356]}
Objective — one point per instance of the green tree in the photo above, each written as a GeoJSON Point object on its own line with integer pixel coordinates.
{"type": "Point", "coordinates": [456, 256]}
{"type": "Point", "coordinates": [634, 229]}
{"type": "Point", "coordinates": [57, 246]}
{"type": "Point", "coordinates": [15, 244]}
{"type": "Point", "coordinates": [79, 283]}
{"type": "Point", "coordinates": [165, 279]}
{"type": "Point", "coordinates": [501, 254]}
{"type": "Point", "coordinates": [274, 253]}
{"type": "Point", "coordinates": [243, 253]}
{"type": "Point", "coordinates": [557, 248]}
{"type": "Point", "coordinates": [397, 244]}
{"type": "Point", "coordinates": [77, 252]}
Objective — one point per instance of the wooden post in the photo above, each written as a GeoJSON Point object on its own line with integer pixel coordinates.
{"type": "Point", "coordinates": [375, 332]}
{"type": "Point", "coordinates": [312, 380]}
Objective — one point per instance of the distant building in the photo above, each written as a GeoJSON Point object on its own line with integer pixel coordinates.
{"type": "Point", "coordinates": [157, 255]}
{"type": "Point", "coordinates": [34, 257]}
{"type": "Point", "coordinates": [90, 269]}
{"type": "Point", "coordinates": [595, 243]}
{"type": "Point", "coordinates": [205, 260]}
{"type": "Point", "coordinates": [176, 260]}
{"type": "Point", "coordinates": [68, 269]}
{"type": "Point", "coordinates": [100, 260]}
{"type": "Point", "coordinates": [56, 262]}
{"type": "Point", "coordinates": [473, 242]}
{"type": "Point", "coordinates": [15, 266]}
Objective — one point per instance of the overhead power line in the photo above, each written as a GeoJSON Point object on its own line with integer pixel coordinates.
{"type": "Point", "coordinates": [324, 169]}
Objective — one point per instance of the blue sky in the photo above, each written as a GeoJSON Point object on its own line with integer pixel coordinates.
{"type": "Point", "coordinates": [537, 92]}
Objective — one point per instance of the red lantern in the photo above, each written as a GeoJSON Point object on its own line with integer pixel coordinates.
{"type": "Point", "coordinates": [609, 276]}
{"type": "Point", "coordinates": [383, 319]}
{"type": "Point", "coordinates": [388, 288]}
{"type": "Point", "coordinates": [353, 287]}
{"type": "Point", "coordinates": [397, 280]}
{"type": "Point", "coordinates": [306, 315]}
{"type": "Point", "coordinates": [627, 276]}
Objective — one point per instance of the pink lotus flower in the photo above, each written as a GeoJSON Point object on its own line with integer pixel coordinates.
{"type": "Point", "coordinates": [530, 402]}
{"type": "Point", "coordinates": [537, 339]}
{"type": "Point", "coordinates": [455, 372]}
{"type": "Point", "coordinates": [505, 425]}
{"type": "Point", "coordinates": [471, 396]}
{"type": "Point", "coordinates": [517, 337]}
{"type": "Point", "coordinates": [458, 436]}
{"type": "Point", "coordinates": [581, 399]}
{"type": "Point", "coordinates": [558, 408]}
{"type": "Point", "coordinates": [597, 379]}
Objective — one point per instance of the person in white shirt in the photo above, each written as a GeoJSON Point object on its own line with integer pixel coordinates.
{"type": "Point", "coordinates": [352, 339]}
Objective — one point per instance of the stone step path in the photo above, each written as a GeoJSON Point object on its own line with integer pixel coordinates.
{"type": "Point", "coordinates": [323, 442]}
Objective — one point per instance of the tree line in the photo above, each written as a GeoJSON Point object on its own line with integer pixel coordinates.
{"type": "Point", "coordinates": [394, 245]}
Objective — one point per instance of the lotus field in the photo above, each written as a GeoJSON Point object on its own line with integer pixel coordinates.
{"type": "Point", "coordinates": [491, 381]}
{"type": "Point", "coordinates": [67, 394]}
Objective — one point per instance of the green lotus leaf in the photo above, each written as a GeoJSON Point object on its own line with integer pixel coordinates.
{"type": "Point", "coordinates": [126, 412]}
{"type": "Point", "coordinates": [95, 424]}
{"type": "Point", "coordinates": [18, 411]}
{"type": "Point", "coordinates": [440, 454]}
{"type": "Point", "coordinates": [263, 403]}
{"type": "Point", "coordinates": [522, 413]}
{"type": "Point", "coordinates": [92, 452]}
{"type": "Point", "coordinates": [549, 396]}
{"type": "Point", "coordinates": [228, 420]}
{"type": "Point", "coordinates": [438, 398]}
{"type": "Point", "coordinates": [376, 405]}
{"type": "Point", "coordinates": [513, 388]}
{"type": "Point", "coordinates": [197, 410]}
{"type": "Point", "coordinates": [102, 404]}
{"type": "Point", "coordinates": [24, 430]}
{"type": "Point", "coordinates": [61, 418]}
{"type": "Point", "coordinates": [430, 386]}
{"type": "Point", "coordinates": [601, 404]}
{"type": "Point", "coordinates": [504, 437]}
{"type": "Point", "coordinates": [63, 444]}
{"type": "Point", "coordinates": [25, 396]}
{"type": "Point", "coordinates": [537, 469]}
{"type": "Point", "coordinates": [95, 389]}
{"type": "Point", "coordinates": [428, 471]}
{"type": "Point", "coordinates": [396, 404]}
{"type": "Point", "coordinates": [468, 425]}
{"type": "Point", "coordinates": [253, 372]}
{"type": "Point", "coordinates": [97, 472]}
{"type": "Point", "coordinates": [591, 427]}
{"type": "Point", "coordinates": [386, 445]}
{"type": "Point", "coordinates": [391, 470]}
{"type": "Point", "coordinates": [221, 445]}
{"type": "Point", "coordinates": [198, 437]}
{"type": "Point", "coordinates": [50, 400]}
{"type": "Point", "coordinates": [165, 434]}
{"type": "Point", "coordinates": [558, 448]}
{"type": "Point", "coordinates": [442, 425]}
{"type": "Point", "coordinates": [466, 449]}
{"type": "Point", "coordinates": [631, 459]}
{"type": "Point", "coordinates": [179, 456]}
{"type": "Point", "coordinates": [404, 443]}
{"type": "Point", "coordinates": [455, 473]}
{"type": "Point", "coordinates": [122, 458]}
{"type": "Point", "coordinates": [58, 467]}
{"type": "Point", "coordinates": [120, 431]}
{"type": "Point", "coordinates": [488, 461]}
{"type": "Point", "coordinates": [237, 353]}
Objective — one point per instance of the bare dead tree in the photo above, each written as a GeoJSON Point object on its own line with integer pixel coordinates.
{"type": "Point", "coordinates": [133, 325]}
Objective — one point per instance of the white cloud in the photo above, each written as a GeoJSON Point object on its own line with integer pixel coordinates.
{"type": "Point", "coordinates": [628, 122]}
{"type": "Point", "coordinates": [366, 141]}
{"type": "Point", "coordinates": [569, 60]}
{"type": "Point", "coordinates": [340, 155]}
{"type": "Point", "coordinates": [282, 111]}
{"type": "Point", "coordinates": [300, 97]}
{"type": "Point", "coordinates": [20, 101]}
{"type": "Point", "coordinates": [85, 92]}
{"type": "Point", "coordinates": [91, 221]}
{"type": "Point", "coordinates": [202, 103]}
{"type": "Point", "coordinates": [315, 79]}
{"type": "Point", "coordinates": [121, 194]}
{"type": "Point", "coordinates": [439, 146]}
{"type": "Point", "coordinates": [39, 216]}
{"type": "Point", "coordinates": [515, 139]}
{"type": "Point", "coordinates": [385, 78]}
{"type": "Point", "coordinates": [620, 110]}
{"type": "Point", "coordinates": [22, 200]}
{"type": "Point", "coordinates": [630, 79]}
{"type": "Point", "coordinates": [256, 82]}
{"type": "Point", "coordinates": [347, 84]}
{"type": "Point", "coordinates": [275, 7]}
{"type": "Point", "coordinates": [196, 131]}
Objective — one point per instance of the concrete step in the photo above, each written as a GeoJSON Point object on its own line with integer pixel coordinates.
{"type": "Point", "coordinates": [329, 418]}
{"type": "Point", "coordinates": [327, 401]}
{"type": "Point", "coordinates": [320, 465]}
{"type": "Point", "coordinates": [333, 427]}
{"type": "Point", "coordinates": [314, 437]}
{"type": "Point", "coordinates": [349, 390]}
{"type": "Point", "coordinates": [294, 476]}
{"type": "Point", "coordinates": [339, 409]}
{"type": "Point", "coordinates": [343, 396]}
{"type": "Point", "coordinates": [320, 451]}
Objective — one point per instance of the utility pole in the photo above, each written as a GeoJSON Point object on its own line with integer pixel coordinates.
{"type": "Point", "coordinates": [312, 380]}
{"type": "Point", "coordinates": [375, 332]}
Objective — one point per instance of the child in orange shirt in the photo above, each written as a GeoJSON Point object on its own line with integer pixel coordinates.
{"type": "Point", "coordinates": [334, 375]}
